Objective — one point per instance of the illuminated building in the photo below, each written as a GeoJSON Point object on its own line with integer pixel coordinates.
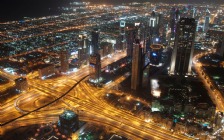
{"type": "Point", "coordinates": [152, 22]}
{"type": "Point", "coordinates": [137, 65]}
{"type": "Point", "coordinates": [145, 76]}
{"type": "Point", "coordinates": [181, 60]}
{"type": "Point", "coordinates": [155, 53]}
{"type": "Point", "coordinates": [106, 48]}
{"type": "Point", "coordinates": [95, 41]}
{"type": "Point", "coordinates": [143, 34]}
{"type": "Point", "coordinates": [207, 20]}
{"type": "Point", "coordinates": [174, 18]}
{"type": "Point", "coordinates": [46, 71]}
{"type": "Point", "coordinates": [21, 84]}
{"type": "Point", "coordinates": [94, 68]}
{"type": "Point", "coordinates": [122, 35]}
{"type": "Point", "coordinates": [68, 122]}
{"type": "Point", "coordinates": [220, 47]}
{"type": "Point", "coordinates": [122, 38]}
{"type": "Point", "coordinates": [131, 34]}
{"type": "Point", "coordinates": [82, 48]}
{"type": "Point", "coordinates": [64, 61]}
{"type": "Point", "coordinates": [194, 12]}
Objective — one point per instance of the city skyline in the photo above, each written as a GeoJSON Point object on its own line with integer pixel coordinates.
{"type": "Point", "coordinates": [133, 71]}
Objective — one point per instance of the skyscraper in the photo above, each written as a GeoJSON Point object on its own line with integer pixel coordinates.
{"type": "Point", "coordinates": [131, 34]}
{"type": "Point", "coordinates": [64, 56]}
{"type": "Point", "coordinates": [68, 122]}
{"type": "Point", "coordinates": [137, 65]}
{"type": "Point", "coordinates": [194, 12]}
{"type": "Point", "coordinates": [122, 36]}
{"type": "Point", "coordinates": [174, 18]}
{"type": "Point", "coordinates": [82, 48]}
{"type": "Point", "coordinates": [155, 53]}
{"type": "Point", "coordinates": [95, 41]}
{"type": "Point", "coordinates": [181, 60]}
{"type": "Point", "coordinates": [220, 47]}
{"type": "Point", "coordinates": [207, 20]}
{"type": "Point", "coordinates": [21, 84]}
{"type": "Point", "coordinates": [94, 68]}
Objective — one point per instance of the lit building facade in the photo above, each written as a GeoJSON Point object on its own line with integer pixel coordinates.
{"type": "Point", "coordinates": [122, 43]}
{"type": "Point", "coordinates": [155, 54]}
{"type": "Point", "coordinates": [64, 56]}
{"type": "Point", "coordinates": [68, 122]}
{"type": "Point", "coordinates": [82, 48]}
{"type": "Point", "coordinates": [181, 60]}
{"type": "Point", "coordinates": [207, 20]}
{"type": "Point", "coordinates": [220, 47]}
{"type": "Point", "coordinates": [131, 34]}
{"type": "Point", "coordinates": [46, 71]}
{"type": "Point", "coordinates": [95, 41]}
{"type": "Point", "coordinates": [94, 68]}
{"type": "Point", "coordinates": [174, 18]}
{"type": "Point", "coordinates": [137, 65]}
{"type": "Point", "coordinates": [21, 84]}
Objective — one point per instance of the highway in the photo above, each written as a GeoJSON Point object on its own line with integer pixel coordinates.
{"type": "Point", "coordinates": [215, 95]}
{"type": "Point", "coordinates": [84, 100]}
{"type": "Point", "coordinates": [45, 91]}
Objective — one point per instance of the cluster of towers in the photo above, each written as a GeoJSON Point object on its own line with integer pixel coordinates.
{"type": "Point", "coordinates": [181, 60]}
{"type": "Point", "coordinates": [140, 41]}
{"type": "Point", "coordinates": [183, 33]}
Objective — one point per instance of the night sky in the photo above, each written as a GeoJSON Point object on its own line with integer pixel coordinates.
{"type": "Point", "coordinates": [16, 9]}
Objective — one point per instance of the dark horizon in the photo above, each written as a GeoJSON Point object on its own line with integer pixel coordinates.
{"type": "Point", "coordinates": [17, 9]}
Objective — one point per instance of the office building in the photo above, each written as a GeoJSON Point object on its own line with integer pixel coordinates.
{"type": "Point", "coordinates": [220, 47]}
{"type": "Point", "coordinates": [95, 41]}
{"type": "Point", "coordinates": [46, 71]}
{"type": "Point", "coordinates": [131, 35]}
{"type": "Point", "coordinates": [174, 18]}
{"type": "Point", "coordinates": [143, 34]}
{"type": "Point", "coordinates": [155, 53]}
{"type": "Point", "coordinates": [21, 84]}
{"type": "Point", "coordinates": [155, 23]}
{"type": "Point", "coordinates": [181, 60]}
{"type": "Point", "coordinates": [145, 77]}
{"type": "Point", "coordinates": [152, 22]}
{"type": "Point", "coordinates": [64, 56]}
{"type": "Point", "coordinates": [82, 49]}
{"type": "Point", "coordinates": [68, 122]}
{"type": "Point", "coordinates": [194, 12]}
{"type": "Point", "coordinates": [137, 64]}
{"type": "Point", "coordinates": [94, 68]}
{"type": "Point", "coordinates": [207, 20]}
{"type": "Point", "coordinates": [122, 34]}
{"type": "Point", "coordinates": [122, 44]}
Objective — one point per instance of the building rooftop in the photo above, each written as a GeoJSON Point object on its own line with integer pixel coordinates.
{"type": "Point", "coordinates": [156, 46]}
{"type": "Point", "coordinates": [68, 115]}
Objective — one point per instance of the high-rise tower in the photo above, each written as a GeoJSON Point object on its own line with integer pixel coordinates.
{"type": "Point", "coordinates": [207, 20]}
{"type": "Point", "coordinates": [82, 48]}
{"type": "Point", "coordinates": [181, 60]}
{"type": "Point", "coordinates": [64, 56]}
{"type": "Point", "coordinates": [94, 68]}
{"type": "Point", "coordinates": [95, 41]}
{"type": "Point", "coordinates": [174, 18]}
{"type": "Point", "coordinates": [122, 44]}
{"type": "Point", "coordinates": [137, 64]}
